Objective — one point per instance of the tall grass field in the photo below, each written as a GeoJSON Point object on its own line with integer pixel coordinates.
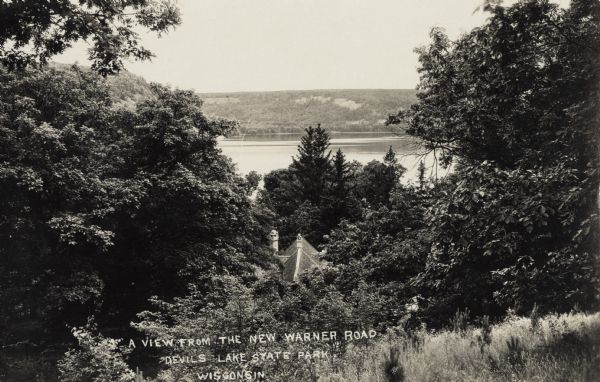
{"type": "Point", "coordinates": [552, 348]}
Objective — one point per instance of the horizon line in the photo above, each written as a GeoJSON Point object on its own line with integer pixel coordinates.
{"type": "Point", "coordinates": [299, 90]}
{"type": "Point", "coordinates": [125, 70]}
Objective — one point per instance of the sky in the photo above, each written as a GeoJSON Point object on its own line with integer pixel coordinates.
{"type": "Point", "coordinates": [261, 45]}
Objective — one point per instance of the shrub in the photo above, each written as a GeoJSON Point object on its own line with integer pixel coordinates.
{"type": "Point", "coordinates": [534, 316]}
{"type": "Point", "coordinates": [392, 368]}
{"type": "Point", "coordinates": [460, 321]}
{"type": "Point", "coordinates": [485, 338]}
{"type": "Point", "coordinates": [514, 355]}
{"type": "Point", "coordinates": [97, 359]}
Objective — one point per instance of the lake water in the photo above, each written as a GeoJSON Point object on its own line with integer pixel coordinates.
{"type": "Point", "coordinates": [264, 153]}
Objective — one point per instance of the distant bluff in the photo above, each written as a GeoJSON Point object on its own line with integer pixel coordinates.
{"type": "Point", "coordinates": [289, 111]}
{"type": "Point", "coordinates": [293, 110]}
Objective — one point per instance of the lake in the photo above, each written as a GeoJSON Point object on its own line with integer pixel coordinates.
{"type": "Point", "coordinates": [264, 153]}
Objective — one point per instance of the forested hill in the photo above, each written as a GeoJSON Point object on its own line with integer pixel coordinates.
{"type": "Point", "coordinates": [285, 111]}
{"type": "Point", "coordinates": [289, 111]}
{"type": "Point", "coordinates": [126, 88]}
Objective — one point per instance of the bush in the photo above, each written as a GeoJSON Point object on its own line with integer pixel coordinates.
{"type": "Point", "coordinates": [97, 359]}
{"type": "Point", "coordinates": [392, 367]}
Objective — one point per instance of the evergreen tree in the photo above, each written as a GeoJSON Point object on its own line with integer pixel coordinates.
{"type": "Point", "coordinates": [389, 159]}
{"type": "Point", "coordinates": [313, 163]}
{"type": "Point", "coordinates": [340, 175]}
{"type": "Point", "coordinates": [393, 170]}
{"type": "Point", "coordinates": [299, 193]}
{"type": "Point", "coordinates": [341, 202]}
{"type": "Point", "coordinates": [421, 174]}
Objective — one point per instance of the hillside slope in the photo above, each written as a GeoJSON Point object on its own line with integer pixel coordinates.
{"type": "Point", "coordinates": [287, 111]}
{"type": "Point", "coordinates": [291, 111]}
{"type": "Point", "coordinates": [125, 88]}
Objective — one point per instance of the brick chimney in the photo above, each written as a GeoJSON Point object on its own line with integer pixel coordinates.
{"type": "Point", "coordinates": [298, 256]}
{"type": "Point", "coordinates": [274, 241]}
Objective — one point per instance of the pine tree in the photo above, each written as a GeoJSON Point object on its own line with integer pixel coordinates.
{"type": "Point", "coordinates": [393, 169]}
{"type": "Point", "coordinates": [312, 164]}
{"type": "Point", "coordinates": [392, 172]}
{"type": "Point", "coordinates": [389, 159]}
{"type": "Point", "coordinates": [340, 174]}
{"type": "Point", "coordinates": [339, 199]}
{"type": "Point", "coordinates": [421, 174]}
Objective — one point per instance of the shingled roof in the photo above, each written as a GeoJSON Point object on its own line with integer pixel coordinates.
{"type": "Point", "coordinates": [297, 258]}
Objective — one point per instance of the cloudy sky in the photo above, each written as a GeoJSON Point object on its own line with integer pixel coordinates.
{"type": "Point", "coordinates": [246, 45]}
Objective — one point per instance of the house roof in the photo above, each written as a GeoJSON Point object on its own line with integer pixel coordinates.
{"type": "Point", "coordinates": [299, 257]}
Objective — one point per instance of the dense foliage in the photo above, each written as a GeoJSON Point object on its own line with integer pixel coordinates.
{"type": "Point", "coordinates": [513, 107]}
{"type": "Point", "coordinates": [316, 192]}
{"type": "Point", "coordinates": [269, 306]}
{"type": "Point", "coordinates": [514, 104]}
{"type": "Point", "coordinates": [129, 212]}
{"type": "Point", "coordinates": [103, 207]}
{"type": "Point", "coordinates": [33, 31]}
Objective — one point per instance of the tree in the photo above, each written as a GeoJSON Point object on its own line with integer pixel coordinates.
{"type": "Point", "coordinates": [96, 358]}
{"type": "Point", "coordinates": [340, 175]}
{"type": "Point", "coordinates": [389, 159]}
{"type": "Point", "coordinates": [267, 305]}
{"type": "Point", "coordinates": [340, 201]}
{"type": "Point", "coordinates": [378, 179]}
{"type": "Point", "coordinates": [543, 60]}
{"type": "Point", "coordinates": [386, 247]}
{"type": "Point", "coordinates": [298, 194]}
{"type": "Point", "coordinates": [34, 31]}
{"type": "Point", "coordinates": [280, 192]}
{"type": "Point", "coordinates": [393, 170]}
{"type": "Point", "coordinates": [305, 220]}
{"type": "Point", "coordinates": [253, 181]}
{"type": "Point", "coordinates": [514, 104]}
{"type": "Point", "coordinates": [101, 208]}
{"type": "Point", "coordinates": [312, 165]}
{"type": "Point", "coordinates": [421, 177]}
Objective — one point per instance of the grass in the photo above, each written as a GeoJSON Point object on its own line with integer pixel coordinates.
{"type": "Point", "coordinates": [553, 348]}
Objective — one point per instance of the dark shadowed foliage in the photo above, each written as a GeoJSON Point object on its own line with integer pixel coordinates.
{"type": "Point", "coordinates": [103, 207]}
